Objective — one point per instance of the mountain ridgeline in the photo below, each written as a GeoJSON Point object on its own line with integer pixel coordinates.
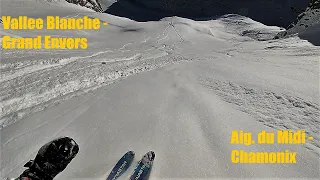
{"type": "Point", "coordinates": [294, 15]}
{"type": "Point", "coordinates": [306, 25]}
{"type": "Point", "coordinates": [270, 12]}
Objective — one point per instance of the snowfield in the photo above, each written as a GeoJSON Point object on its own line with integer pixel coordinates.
{"type": "Point", "coordinates": [176, 86]}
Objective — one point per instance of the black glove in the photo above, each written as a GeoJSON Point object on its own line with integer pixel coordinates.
{"type": "Point", "coordinates": [52, 158]}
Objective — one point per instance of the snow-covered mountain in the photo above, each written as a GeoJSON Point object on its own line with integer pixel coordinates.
{"type": "Point", "coordinates": [269, 12]}
{"type": "Point", "coordinates": [307, 24]}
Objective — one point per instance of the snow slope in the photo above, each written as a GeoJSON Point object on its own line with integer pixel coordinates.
{"type": "Point", "coordinates": [176, 86]}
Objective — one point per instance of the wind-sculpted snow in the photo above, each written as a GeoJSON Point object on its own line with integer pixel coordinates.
{"type": "Point", "coordinates": [247, 27]}
{"type": "Point", "coordinates": [279, 111]}
{"type": "Point", "coordinates": [38, 84]}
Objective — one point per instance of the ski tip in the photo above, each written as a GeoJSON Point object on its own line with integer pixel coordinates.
{"type": "Point", "coordinates": [130, 153]}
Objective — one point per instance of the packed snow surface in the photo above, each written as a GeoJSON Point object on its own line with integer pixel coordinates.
{"type": "Point", "coordinates": [176, 86]}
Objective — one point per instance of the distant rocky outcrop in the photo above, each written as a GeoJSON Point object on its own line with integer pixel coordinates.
{"type": "Point", "coordinates": [314, 4]}
{"type": "Point", "coordinates": [306, 24]}
{"type": "Point", "coordinates": [92, 4]}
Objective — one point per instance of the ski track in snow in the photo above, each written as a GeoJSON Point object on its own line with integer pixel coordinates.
{"type": "Point", "coordinates": [79, 109]}
{"type": "Point", "coordinates": [16, 106]}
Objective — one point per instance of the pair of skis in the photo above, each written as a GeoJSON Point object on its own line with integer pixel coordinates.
{"type": "Point", "coordinates": [142, 170]}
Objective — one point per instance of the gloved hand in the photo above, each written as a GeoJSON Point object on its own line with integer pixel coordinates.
{"type": "Point", "coordinates": [52, 158]}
